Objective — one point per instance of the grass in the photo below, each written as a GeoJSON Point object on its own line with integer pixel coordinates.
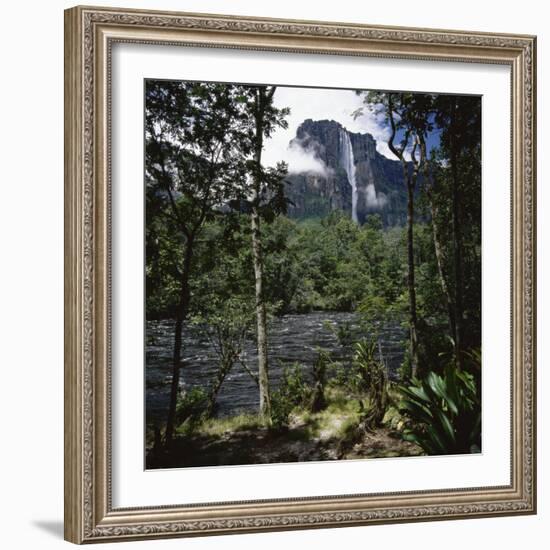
{"type": "Point", "coordinates": [241, 422]}
{"type": "Point", "coordinates": [333, 433]}
{"type": "Point", "coordinates": [337, 420]}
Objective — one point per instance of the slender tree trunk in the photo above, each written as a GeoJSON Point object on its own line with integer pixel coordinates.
{"type": "Point", "coordinates": [440, 270]}
{"type": "Point", "coordinates": [225, 367]}
{"type": "Point", "coordinates": [181, 316]}
{"type": "Point", "coordinates": [413, 321]}
{"type": "Point", "coordinates": [261, 317]}
{"type": "Point", "coordinates": [410, 181]}
{"type": "Point", "coordinates": [457, 237]}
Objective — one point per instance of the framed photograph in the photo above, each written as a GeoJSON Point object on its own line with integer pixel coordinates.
{"type": "Point", "coordinates": [300, 274]}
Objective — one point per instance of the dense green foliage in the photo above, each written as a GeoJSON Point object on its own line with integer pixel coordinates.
{"type": "Point", "coordinates": [446, 411]}
{"type": "Point", "coordinates": [330, 264]}
{"type": "Point", "coordinates": [371, 381]}
{"type": "Point", "coordinates": [209, 267]}
{"type": "Point", "coordinates": [293, 392]}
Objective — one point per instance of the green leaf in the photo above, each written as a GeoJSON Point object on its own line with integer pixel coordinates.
{"type": "Point", "coordinates": [438, 444]}
{"type": "Point", "coordinates": [417, 412]}
{"type": "Point", "coordinates": [447, 427]}
{"type": "Point", "coordinates": [419, 393]}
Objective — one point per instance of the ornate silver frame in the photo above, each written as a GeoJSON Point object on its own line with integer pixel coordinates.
{"type": "Point", "coordinates": [89, 35]}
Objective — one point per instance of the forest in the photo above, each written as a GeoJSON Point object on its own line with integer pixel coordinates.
{"type": "Point", "coordinates": [278, 338]}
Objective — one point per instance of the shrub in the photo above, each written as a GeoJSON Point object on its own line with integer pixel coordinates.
{"type": "Point", "coordinates": [370, 378]}
{"type": "Point", "coordinates": [446, 412]}
{"type": "Point", "coordinates": [191, 406]}
{"type": "Point", "coordinates": [281, 407]}
{"type": "Point", "coordinates": [293, 391]}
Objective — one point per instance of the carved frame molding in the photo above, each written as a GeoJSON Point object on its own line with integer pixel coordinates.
{"type": "Point", "coordinates": [89, 35]}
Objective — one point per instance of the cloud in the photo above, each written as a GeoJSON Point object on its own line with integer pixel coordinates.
{"type": "Point", "coordinates": [322, 104]}
{"type": "Point", "coordinates": [372, 121]}
{"type": "Point", "coordinates": [304, 159]}
{"type": "Point", "coordinates": [373, 199]}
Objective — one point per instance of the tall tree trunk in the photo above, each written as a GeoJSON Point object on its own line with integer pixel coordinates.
{"type": "Point", "coordinates": [440, 262]}
{"type": "Point", "coordinates": [457, 238]}
{"type": "Point", "coordinates": [409, 180]}
{"type": "Point", "coordinates": [413, 321]}
{"type": "Point", "coordinates": [261, 317]}
{"type": "Point", "coordinates": [181, 316]}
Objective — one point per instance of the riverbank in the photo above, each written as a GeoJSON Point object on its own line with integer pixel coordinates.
{"type": "Point", "coordinates": [293, 339]}
{"type": "Point", "coordinates": [335, 433]}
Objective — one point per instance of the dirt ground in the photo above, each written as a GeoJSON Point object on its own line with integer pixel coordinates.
{"type": "Point", "coordinates": [262, 446]}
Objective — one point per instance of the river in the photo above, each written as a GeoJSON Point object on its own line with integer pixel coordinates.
{"type": "Point", "coordinates": [292, 339]}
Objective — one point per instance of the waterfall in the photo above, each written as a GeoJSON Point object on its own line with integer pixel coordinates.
{"type": "Point", "coordinates": [347, 161]}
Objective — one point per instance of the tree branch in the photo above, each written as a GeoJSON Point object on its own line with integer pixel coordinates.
{"type": "Point", "coordinates": [252, 375]}
{"type": "Point", "coordinates": [271, 93]}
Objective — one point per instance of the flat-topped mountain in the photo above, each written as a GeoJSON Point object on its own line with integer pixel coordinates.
{"type": "Point", "coordinates": [356, 178]}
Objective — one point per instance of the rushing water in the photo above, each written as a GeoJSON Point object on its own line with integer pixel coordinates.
{"type": "Point", "coordinates": [292, 339]}
{"type": "Point", "coordinates": [347, 161]}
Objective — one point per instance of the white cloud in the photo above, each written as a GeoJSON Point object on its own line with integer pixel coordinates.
{"type": "Point", "coordinates": [374, 122]}
{"type": "Point", "coordinates": [304, 159]}
{"type": "Point", "coordinates": [322, 104]}
{"type": "Point", "coordinates": [373, 199]}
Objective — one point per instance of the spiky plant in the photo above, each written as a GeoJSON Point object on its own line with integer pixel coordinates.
{"type": "Point", "coordinates": [445, 412]}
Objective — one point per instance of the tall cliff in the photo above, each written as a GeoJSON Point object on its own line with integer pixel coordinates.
{"type": "Point", "coordinates": [356, 178]}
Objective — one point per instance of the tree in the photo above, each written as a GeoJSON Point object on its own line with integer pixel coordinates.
{"type": "Point", "coordinates": [459, 118]}
{"type": "Point", "coordinates": [227, 326]}
{"type": "Point", "coordinates": [430, 189]}
{"type": "Point", "coordinates": [265, 199]}
{"type": "Point", "coordinates": [408, 117]}
{"type": "Point", "coordinates": [193, 164]}
{"type": "Point", "coordinates": [224, 310]}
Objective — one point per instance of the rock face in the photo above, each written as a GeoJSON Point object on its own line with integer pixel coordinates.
{"type": "Point", "coordinates": [356, 179]}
